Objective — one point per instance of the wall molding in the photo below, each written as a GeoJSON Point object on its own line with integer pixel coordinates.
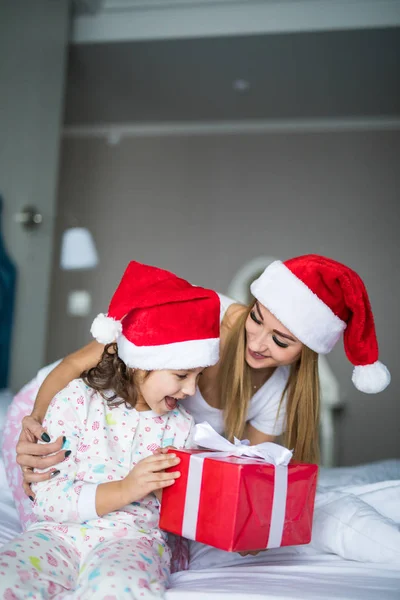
{"type": "Point", "coordinates": [129, 20]}
{"type": "Point", "coordinates": [113, 133]}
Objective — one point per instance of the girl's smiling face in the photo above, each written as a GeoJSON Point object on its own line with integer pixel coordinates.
{"type": "Point", "coordinates": [268, 342]}
{"type": "Point", "coordinates": [160, 391]}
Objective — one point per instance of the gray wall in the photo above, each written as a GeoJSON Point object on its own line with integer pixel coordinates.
{"type": "Point", "coordinates": [203, 206]}
{"type": "Point", "coordinates": [33, 43]}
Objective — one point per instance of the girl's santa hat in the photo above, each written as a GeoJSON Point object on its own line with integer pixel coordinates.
{"type": "Point", "coordinates": [160, 321]}
{"type": "Point", "coordinates": [318, 299]}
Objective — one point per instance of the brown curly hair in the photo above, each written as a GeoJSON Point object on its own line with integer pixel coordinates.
{"type": "Point", "coordinates": [112, 375]}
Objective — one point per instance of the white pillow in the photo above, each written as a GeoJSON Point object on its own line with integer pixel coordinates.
{"type": "Point", "coordinates": [384, 496]}
{"type": "Point", "coordinates": [346, 525]}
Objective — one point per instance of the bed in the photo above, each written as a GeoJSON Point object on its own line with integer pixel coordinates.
{"type": "Point", "coordinates": [306, 572]}
{"type": "Point", "coordinates": [355, 551]}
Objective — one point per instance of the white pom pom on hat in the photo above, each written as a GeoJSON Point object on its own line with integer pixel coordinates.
{"type": "Point", "coordinates": [371, 379]}
{"type": "Point", "coordinates": [105, 329]}
{"type": "Point", "coordinates": [318, 300]}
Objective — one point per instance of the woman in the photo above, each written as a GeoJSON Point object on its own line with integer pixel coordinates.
{"type": "Point", "coordinates": [266, 382]}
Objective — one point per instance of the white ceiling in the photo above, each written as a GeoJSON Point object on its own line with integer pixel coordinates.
{"type": "Point", "coordinates": [334, 74]}
{"type": "Point", "coordinates": [98, 21]}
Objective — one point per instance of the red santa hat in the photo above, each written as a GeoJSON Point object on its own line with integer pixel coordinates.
{"type": "Point", "coordinates": [160, 321]}
{"type": "Point", "coordinates": [318, 299]}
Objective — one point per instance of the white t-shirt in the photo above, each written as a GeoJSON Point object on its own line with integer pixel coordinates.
{"type": "Point", "coordinates": [263, 407]}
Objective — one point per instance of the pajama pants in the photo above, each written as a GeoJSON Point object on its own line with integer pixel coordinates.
{"type": "Point", "coordinates": [41, 563]}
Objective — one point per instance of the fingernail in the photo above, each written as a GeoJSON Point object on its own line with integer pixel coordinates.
{"type": "Point", "coordinates": [172, 455]}
{"type": "Point", "coordinates": [68, 452]}
{"type": "Point", "coordinates": [31, 498]}
{"type": "Point", "coordinates": [64, 439]}
{"type": "Point", "coordinates": [45, 437]}
{"type": "Point", "coordinates": [54, 474]}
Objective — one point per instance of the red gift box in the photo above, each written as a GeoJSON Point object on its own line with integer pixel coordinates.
{"type": "Point", "coordinates": [239, 504]}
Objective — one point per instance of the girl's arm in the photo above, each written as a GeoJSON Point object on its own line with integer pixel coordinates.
{"type": "Point", "coordinates": [29, 453]}
{"type": "Point", "coordinates": [145, 477]}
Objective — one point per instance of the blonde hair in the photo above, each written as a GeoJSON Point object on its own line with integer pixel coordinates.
{"type": "Point", "coordinates": [234, 379]}
{"type": "Point", "coordinates": [302, 391]}
{"type": "Point", "coordinates": [302, 407]}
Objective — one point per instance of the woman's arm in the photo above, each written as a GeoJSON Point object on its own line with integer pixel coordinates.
{"type": "Point", "coordinates": [30, 454]}
{"type": "Point", "coordinates": [70, 368]}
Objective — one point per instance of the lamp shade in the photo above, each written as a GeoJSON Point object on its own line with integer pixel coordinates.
{"type": "Point", "coordinates": [78, 250]}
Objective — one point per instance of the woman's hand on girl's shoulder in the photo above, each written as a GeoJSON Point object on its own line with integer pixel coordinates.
{"type": "Point", "coordinates": [31, 455]}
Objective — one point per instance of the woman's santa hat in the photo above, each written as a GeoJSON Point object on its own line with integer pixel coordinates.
{"type": "Point", "coordinates": [318, 299]}
{"type": "Point", "coordinates": [160, 321]}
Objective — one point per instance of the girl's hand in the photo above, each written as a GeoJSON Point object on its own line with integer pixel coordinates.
{"type": "Point", "coordinates": [31, 455]}
{"type": "Point", "coordinates": [148, 476]}
{"type": "Point", "coordinates": [164, 450]}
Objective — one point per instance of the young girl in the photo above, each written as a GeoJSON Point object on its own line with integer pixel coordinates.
{"type": "Point", "coordinates": [266, 383]}
{"type": "Point", "coordinates": [97, 532]}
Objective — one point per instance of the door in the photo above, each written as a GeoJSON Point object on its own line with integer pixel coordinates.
{"type": "Point", "coordinates": [33, 43]}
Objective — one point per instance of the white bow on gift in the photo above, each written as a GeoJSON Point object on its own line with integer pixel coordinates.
{"type": "Point", "coordinates": [206, 437]}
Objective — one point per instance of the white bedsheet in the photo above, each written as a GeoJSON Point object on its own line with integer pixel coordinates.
{"type": "Point", "coordinates": [287, 576]}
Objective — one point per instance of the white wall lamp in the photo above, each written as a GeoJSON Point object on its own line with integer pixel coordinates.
{"type": "Point", "coordinates": [78, 250]}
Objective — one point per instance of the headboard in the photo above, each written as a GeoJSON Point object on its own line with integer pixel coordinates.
{"type": "Point", "coordinates": [8, 276]}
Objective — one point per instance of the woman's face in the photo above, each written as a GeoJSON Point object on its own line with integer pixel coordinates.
{"type": "Point", "coordinates": [268, 342]}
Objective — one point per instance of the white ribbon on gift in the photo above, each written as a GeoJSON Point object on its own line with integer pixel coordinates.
{"type": "Point", "coordinates": [206, 437]}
